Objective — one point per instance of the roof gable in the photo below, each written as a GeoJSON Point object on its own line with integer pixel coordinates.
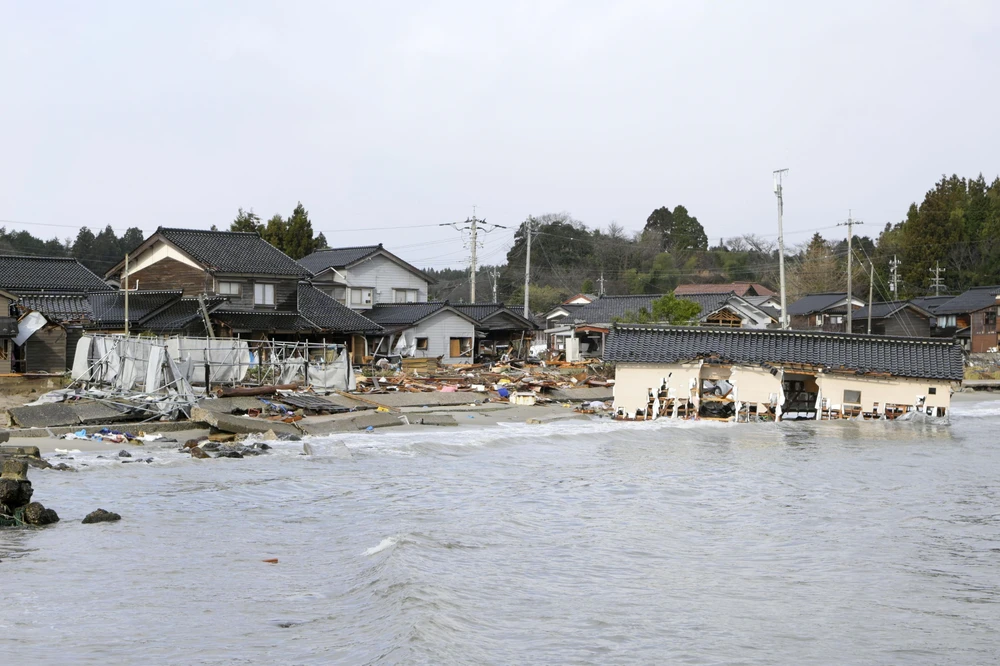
{"type": "Point", "coordinates": [738, 288]}
{"type": "Point", "coordinates": [935, 358]}
{"type": "Point", "coordinates": [395, 315]}
{"type": "Point", "coordinates": [345, 257]}
{"type": "Point", "coordinates": [494, 316]}
{"type": "Point", "coordinates": [811, 303]}
{"type": "Point", "coordinates": [236, 252]}
{"type": "Point", "coordinates": [19, 274]}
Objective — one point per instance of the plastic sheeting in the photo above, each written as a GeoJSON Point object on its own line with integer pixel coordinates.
{"type": "Point", "coordinates": [27, 326]}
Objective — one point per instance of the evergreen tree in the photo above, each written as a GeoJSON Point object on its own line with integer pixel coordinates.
{"type": "Point", "coordinates": [131, 239]}
{"type": "Point", "coordinates": [275, 231]}
{"type": "Point", "coordinates": [668, 309]}
{"type": "Point", "coordinates": [83, 246]}
{"type": "Point", "coordinates": [298, 241]}
{"type": "Point", "coordinates": [321, 243]}
{"type": "Point", "coordinates": [247, 221]}
{"type": "Point", "coordinates": [687, 233]}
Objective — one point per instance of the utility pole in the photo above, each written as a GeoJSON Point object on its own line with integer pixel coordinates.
{"type": "Point", "coordinates": [894, 277]}
{"type": "Point", "coordinates": [126, 294]}
{"type": "Point", "coordinates": [779, 191]}
{"type": "Point", "coordinates": [472, 226]}
{"type": "Point", "coordinates": [850, 252]}
{"type": "Point", "coordinates": [600, 291]}
{"type": "Point", "coordinates": [871, 290]}
{"type": "Point", "coordinates": [495, 275]}
{"type": "Point", "coordinates": [528, 224]}
{"type": "Point", "coordinates": [937, 280]}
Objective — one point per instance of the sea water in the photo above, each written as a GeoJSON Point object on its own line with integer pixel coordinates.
{"type": "Point", "coordinates": [584, 542]}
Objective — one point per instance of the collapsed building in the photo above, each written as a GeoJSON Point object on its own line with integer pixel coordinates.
{"type": "Point", "coordinates": [754, 375]}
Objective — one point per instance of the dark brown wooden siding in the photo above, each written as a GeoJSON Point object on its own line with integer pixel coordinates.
{"type": "Point", "coordinates": [285, 292]}
{"type": "Point", "coordinates": [172, 274]}
{"type": "Point", "coordinates": [45, 350]}
{"type": "Point", "coordinates": [983, 334]}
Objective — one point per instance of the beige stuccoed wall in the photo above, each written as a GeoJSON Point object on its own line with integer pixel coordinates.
{"type": "Point", "coordinates": [897, 390]}
{"type": "Point", "coordinates": [634, 380]}
{"type": "Point", "coordinates": [755, 385]}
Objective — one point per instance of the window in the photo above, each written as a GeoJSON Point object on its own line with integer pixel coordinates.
{"type": "Point", "coordinates": [819, 320]}
{"type": "Point", "coordinates": [932, 390]}
{"type": "Point", "coordinates": [337, 293]}
{"type": "Point", "coordinates": [460, 347]}
{"type": "Point", "coordinates": [404, 295]}
{"type": "Point", "coordinates": [852, 397]}
{"type": "Point", "coordinates": [990, 318]}
{"type": "Point", "coordinates": [837, 320]}
{"type": "Point", "coordinates": [361, 296]}
{"type": "Point", "coordinates": [422, 344]}
{"type": "Point", "coordinates": [263, 294]}
{"type": "Point", "coordinates": [229, 288]}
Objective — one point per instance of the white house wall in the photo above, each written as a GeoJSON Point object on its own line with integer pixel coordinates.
{"type": "Point", "coordinates": [633, 382]}
{"type": "Point", "coordinates": [439, 330]}
{"type": "Point", "coordinates": [894, 390]}
{"type": "Point", "coordinates": [755, 385]}
{"type": "Point", "coordinates": [383, 276]}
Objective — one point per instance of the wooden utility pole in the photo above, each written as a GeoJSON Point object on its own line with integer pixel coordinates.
{"type": "Point", "coordinates": [871, 293]}
{"type": "Point", "coordinates": [850, 266]}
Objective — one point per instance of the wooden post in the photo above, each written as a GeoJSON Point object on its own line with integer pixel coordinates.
{"type": "Point", "coordinates": [208, 378]}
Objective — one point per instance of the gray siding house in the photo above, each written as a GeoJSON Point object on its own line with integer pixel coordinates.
{"type": "Point", "coordinates": [362, 277]}
{"type": "Point", "coordinates": [424, 330]}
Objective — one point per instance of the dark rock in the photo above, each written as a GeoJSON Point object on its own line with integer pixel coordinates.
{"type": "Point", "coordinates": [63, 467]}
{"type": "Point", "coordinates": [211, 446]}
{"type": "Point", "coordinates": [263, 446]}
{"type": "Point", "coordinates": [36, 514]}
{"type": "Point", "coordinates": [124, 454]}
{"type": "Point", "coordinates": [101, 516]}
{"type": "Point", "coordinates": [191, 443]}
{"type": "Point", "coordinates": [14, 493]}
{"type": "Point", "coordinates": [229, 454]}
{"type": "Point", "coordinates": [197, 452]}
{"type": "Point", "coordinates": [250, 452]}
{"type": "Point", "coordinates": [287, 437]}
{"type": "Point", "coordinates": [15, 468]}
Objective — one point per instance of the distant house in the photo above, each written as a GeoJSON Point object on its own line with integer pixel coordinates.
{"type": "Point", "coordinates": [434, 329]}
{"type": "Point", "coordinates": [689, 371]}
{"type": "Point", "coordinates": [822, 312]}
{"type": "Point", "coordinates": [580, 299]}
{"type": "Point", "coordinates": [742, 289]}
{"type": "Point", "coordinates": [894, 318]}
{"type": "Point", "coordinates": [499, 329]}
{"type": "Point", "coordinates": [972, 317]}
{"type": "Point", "coordinates": [263, 291]}
{"type": "Point", "coordinates": [27, 278]}
{"type": "Point", "coordinates": [362, 277]}
{"type": "Point", "coordinates": [8, 330]}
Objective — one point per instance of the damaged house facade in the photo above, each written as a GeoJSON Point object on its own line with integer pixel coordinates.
{"type": "Point", "coordinates": [424, 330]}
{"type": "Point", "coordinates": [774, 375]}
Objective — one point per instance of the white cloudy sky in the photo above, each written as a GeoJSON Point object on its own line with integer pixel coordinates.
{"type": "Point", "coordinates": [393, 114]}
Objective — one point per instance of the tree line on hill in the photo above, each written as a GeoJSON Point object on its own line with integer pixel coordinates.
{"type": "Point", "coordinates": [955, 228]}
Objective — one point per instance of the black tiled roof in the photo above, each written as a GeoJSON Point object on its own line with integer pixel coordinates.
{"type": "Point", "coordinates": [337, 257]}
{"type": "Point", "coordinates": [8, 327]}
{"type": "Point", "coordinates": [109, 308]}
{"type": "Point", "coordinates": [180, 314]}
{"type": "Point", "coordinates": [328, 313]}
{"type": "Point", "coordinates": [264, 321]}
{"type": "Point", "coordinates": [244, 253]}
{"type": "Point", "coordinates": [937, 358]}
{"type": "Point", "coordinates": [403, 314]}
{"type": "Point", "coordinates": [496, 316]}
{"type": "Point", "coordinates": [883, 310]}
{"type": "Point", "coordinates": [606, 309]}
{"type": "Point", "coordinates": [812, 303]}
{"type": "Point", "coordinates": [972, 300]}
{"type": "Point", "coordinates": [19, 274]}
{"type": "Point", "coordinates": [58, 307]}
{"type": "Point", "coordinates": [931, 303]}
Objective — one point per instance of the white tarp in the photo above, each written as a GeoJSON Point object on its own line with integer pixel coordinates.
{"type": "Point", "coordinates": [27, 326]}
{"type": "Point", "coordinates": [228, 359]}
{"type": "Point", "coordinates": [81, 359]}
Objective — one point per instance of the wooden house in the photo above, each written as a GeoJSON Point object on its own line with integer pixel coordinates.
{"type": "Point", "coordinates": [499, 330]}
{"type": "Point", "coordinates": [435, 329]}
{"type": "Point", "coordinates": [972, 317]}
{"type": "Point", "coordinates": [822, 312]}
{"type": "Point", "coordinates": [894, 318]}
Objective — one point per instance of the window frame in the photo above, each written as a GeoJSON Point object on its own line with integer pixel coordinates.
{"type": "Point", "coordinates": [229, 284]}
{"type": "Point", "coordinates": [406, 294]}
{"type": "Point", "coordinates": [262, 301]}
{"type": "Point", "coordinates": [362, 293]}
{"type": "Point", "coordinates": [423, 344]}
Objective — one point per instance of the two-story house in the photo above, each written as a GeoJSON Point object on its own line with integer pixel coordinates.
{"type": "Point", "coordinates": [267, 293]}
{"type": "Point", "coordinates": [362, 277]}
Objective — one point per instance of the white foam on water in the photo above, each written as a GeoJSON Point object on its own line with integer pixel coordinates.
{"type": "Point", "coordinates": [384, 544]}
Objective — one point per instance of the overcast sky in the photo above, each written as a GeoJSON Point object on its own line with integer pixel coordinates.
{"type": "Point", "coordinates": [379, 114]}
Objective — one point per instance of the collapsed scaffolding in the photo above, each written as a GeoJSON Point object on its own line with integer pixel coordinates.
{"type": "Point", "coordinates": [164, 377]}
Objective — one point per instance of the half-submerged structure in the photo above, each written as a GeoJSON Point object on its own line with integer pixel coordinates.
{"type": "Point", "coordinates": [755, 375]}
